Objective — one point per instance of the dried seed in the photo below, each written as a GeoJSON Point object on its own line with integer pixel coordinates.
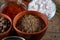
{"type": "Point", "coordinates": [4, 24]}
{"type": "Point", "coordinates": [2, 30]}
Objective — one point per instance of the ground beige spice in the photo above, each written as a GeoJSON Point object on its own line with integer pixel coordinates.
{"type": "Point", "coordinates": [29, 23]}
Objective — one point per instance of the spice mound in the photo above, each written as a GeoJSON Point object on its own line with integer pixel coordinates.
{"type": "Point", "coordinates": [12, 9]}
{"type": "Point", "coordinates": [4, 24]}
{"type": "Point", "coordinates": [30, 23]}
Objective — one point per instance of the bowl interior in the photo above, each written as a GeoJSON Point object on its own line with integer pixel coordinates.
{"type": "Point", "coordinates": [38, 14]}
{"type": "Point", "coordinates": [9, 19]}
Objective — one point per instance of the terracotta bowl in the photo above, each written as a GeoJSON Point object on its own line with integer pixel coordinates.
{"type": "Point", "coordinates": [2, 35]}
{"type": "Point", "coordinates": [12, 9]}
{"type": "Point", "coordinates": [35, 35]}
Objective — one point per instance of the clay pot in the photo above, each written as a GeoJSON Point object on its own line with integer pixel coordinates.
{"type": "Point", "coordinates": [4, 34]}
{"type": "Point", "coordinates": [9, 38]}
{"type": "Point", "coordinates": [35, 35]}
{"type": "Point", "coordinates": [12, 8]}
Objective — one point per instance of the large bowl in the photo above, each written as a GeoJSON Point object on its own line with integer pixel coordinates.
{"type": "Point", "coordinates": [35, 35]}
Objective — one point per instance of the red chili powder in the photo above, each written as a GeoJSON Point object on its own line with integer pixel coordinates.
{"type": "Point", "coordinates": [12, 9]}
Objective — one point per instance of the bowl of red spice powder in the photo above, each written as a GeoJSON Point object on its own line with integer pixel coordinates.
{"type": "Point", "coordinates": [12, 8]}
{"type": "Point", "coordinates": [31, 25]}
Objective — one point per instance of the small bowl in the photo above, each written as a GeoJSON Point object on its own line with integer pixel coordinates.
{"type": "Point", "coordinates": [20, 38]}
{"type": "Point", "coordinates": [35, 35]}
{"type": "Point", "coordinates": [4, 34]}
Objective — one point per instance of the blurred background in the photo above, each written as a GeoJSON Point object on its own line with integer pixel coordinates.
{"type": "Point", "coordinates": [53, 31]}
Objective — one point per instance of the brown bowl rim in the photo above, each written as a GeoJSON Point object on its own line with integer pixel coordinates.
{"type": "Point", "coordinates": [5, 16]}
{"type": "Point", "coordinates": [21, 13]}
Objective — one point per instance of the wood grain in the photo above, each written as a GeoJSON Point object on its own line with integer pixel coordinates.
{"type": "Point", "coordinates": [53, 31]}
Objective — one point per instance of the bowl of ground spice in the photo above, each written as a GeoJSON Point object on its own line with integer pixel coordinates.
{"type": "Point", "coordinates": [30, 24]}
{"type": "Point", "coordinates": [12, 8]}
{"type": "Point", "coordinates": [5, 25]}
{"type": "Point", "coordinates": [13, 38]}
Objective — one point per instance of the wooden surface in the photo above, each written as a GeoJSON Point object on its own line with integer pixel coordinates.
{"type": "Point", "coordinates": [53, 31]}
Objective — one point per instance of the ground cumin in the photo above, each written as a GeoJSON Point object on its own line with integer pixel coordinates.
{"type": "Point", "coordinates": [29, 24]}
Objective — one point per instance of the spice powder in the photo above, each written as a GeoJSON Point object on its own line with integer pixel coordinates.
{"type": "Point", "coordinates": [29, 23]}
{"type": "Point", "coordinates": [12, 9]}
